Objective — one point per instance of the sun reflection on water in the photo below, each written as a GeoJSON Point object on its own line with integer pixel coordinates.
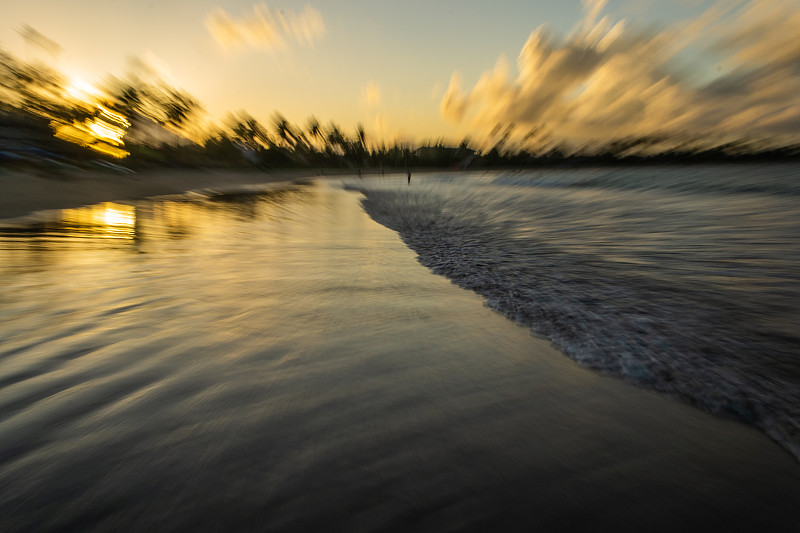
{"type": "Point", "coordinates": [106, 220]}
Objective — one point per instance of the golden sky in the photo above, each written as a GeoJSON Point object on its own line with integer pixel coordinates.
{"type": "Point", "coordinates": [421, 69]}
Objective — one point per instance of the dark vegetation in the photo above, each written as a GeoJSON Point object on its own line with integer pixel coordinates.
{"type": "Point", "coordinates": [156, 121]}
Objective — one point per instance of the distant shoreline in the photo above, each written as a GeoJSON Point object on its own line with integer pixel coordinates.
{"type": "Point", "coordinates": [25, 192]}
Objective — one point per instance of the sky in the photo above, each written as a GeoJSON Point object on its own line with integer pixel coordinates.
{"type": "Point", "coordinates": [422, 69]}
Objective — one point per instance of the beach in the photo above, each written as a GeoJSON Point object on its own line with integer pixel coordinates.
{"type": "Point", "coordinates": [276, 360]}
{"type": "Point", "coordinates": [22, 192]}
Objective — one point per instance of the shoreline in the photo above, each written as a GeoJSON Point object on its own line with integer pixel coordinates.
{"type": "Point", "coordinates": [258, 362]}
{"type": "Point", "coordinates": [25, 192]}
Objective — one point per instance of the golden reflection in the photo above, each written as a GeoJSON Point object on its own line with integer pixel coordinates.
{"type": "Point", "coordinates": [176, 220]}
{"type": "Point", "coordinates": [106, 220]}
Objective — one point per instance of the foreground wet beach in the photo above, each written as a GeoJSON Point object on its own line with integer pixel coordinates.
{"type": "Point", "coordinates": [280, 361]}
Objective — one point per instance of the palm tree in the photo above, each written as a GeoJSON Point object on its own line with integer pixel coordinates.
{"type": "Point", "coordinates": [336, 140]}
{"type": "Point", "coordinates": [178, 107]}
{"type": "Point", "coordinates": [360, 146]}
{"type": "Point", "coordinates": [284, 130]}
{"type": "Point", "coordinates": [317, 139]}
{"type": "Point", "coordinates": [314, 129]}
{"type": "Point", "coordinates": [250, 132]}
{"type": "Point", "coordinates": [362, 136]}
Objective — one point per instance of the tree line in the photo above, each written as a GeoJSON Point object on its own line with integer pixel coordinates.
{"type": "Point", "coordinates": [35, 100]}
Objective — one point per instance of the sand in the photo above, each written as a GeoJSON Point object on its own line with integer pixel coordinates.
{"type": "Point", "coordinates": [22, 192]}
{"type": "Point", "coordinates": [359, 393]}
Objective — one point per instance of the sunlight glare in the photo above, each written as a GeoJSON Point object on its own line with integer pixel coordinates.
{"type": "Point", "coordinates": [81, 89]}
{"type": "Point", "coordinates": [103, 130]}
{"type": "Point", "coordinates": [107, 220]}
{"type": "Point", "coordinates": [118, 215]}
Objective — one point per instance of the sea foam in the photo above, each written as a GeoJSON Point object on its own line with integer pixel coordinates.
{"type": "Point", "coordinates": [684, 280]}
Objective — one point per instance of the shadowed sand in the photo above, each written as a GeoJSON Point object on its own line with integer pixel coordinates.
{"type": "Point", "coordinates": [24, 192]}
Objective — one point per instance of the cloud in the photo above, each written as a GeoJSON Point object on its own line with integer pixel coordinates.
{"type": "Point", "coordinates": [454, 104]}
{"type": "Point", "coordinates": [372, 94]}
{"type": "Point", "coordinates": [267, 30]}
{"type": "Point", "coordinates": [380, 126]}
{"type": "Point", "coordinates": [150, 68]}
{"type": "Point", "coordinates": [609, 79]}
{"type": "Point", "coordinates": [592, 10]}
{"type": "Point", "coordinates": [35, 38]}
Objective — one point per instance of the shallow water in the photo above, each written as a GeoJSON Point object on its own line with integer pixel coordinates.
{"type": "Point", "coordinates": [683, 279]}
{"type": "Point", "coordinates": [279, 361]}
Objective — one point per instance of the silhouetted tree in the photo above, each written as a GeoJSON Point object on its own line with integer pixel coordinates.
{"type": "Point", "coordinates": [336, 141]}
{"type": "Point", "coordinates": [250, 132]}
{"type": "Point", "coordinates": [284, 131]}
{"type": "Point", "coordinates": [315, 130]}
{"type": "Point", "coordinates": [360, 145]}
{"type": "Point", "coordinates": [178, 107]}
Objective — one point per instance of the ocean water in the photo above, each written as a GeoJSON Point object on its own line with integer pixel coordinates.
{"type": "Point", "coordinates": [272, 359]}
{"type": "Point", "coordinates": [682, 279]}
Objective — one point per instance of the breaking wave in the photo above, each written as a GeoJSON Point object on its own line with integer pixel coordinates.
{"type": "Point", "coordinates": [685, 280]}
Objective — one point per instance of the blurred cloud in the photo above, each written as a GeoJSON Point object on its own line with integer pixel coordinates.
{"type": "Point", "coordinates": [592, 10]}
{"type": "Point", "coordinates": [266, 29]}
{"type": "Point", "coordinates": [610, 79]}
{"type": "Point", "coordinates": [150, 68]}
{"type": "Point", "coordinates": [454, 102]}
{"type": "Point", "coordinates": [380, 126]}
{"type": "Point", "coordinates": [33, 37]}
{"type": "Point", "coordinates": [372, 94]}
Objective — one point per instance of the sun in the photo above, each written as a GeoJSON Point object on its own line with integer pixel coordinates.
{"type": "Point", "coordinates": [80, 89]}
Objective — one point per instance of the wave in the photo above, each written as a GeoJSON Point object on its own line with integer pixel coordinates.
{"type": "Point", "coordinates": [692, 297]}
{"type": "Point", "coordinates": [777, 179]}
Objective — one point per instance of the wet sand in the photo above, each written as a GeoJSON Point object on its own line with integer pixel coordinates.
{"type": "Point", "coordinates": [293, 368]}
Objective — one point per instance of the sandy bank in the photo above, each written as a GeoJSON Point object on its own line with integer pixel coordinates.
{"type": "Point", "coordinates": [24, 192]}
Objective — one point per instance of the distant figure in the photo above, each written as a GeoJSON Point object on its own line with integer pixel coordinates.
{"type": "Point", "coordinates": [409, 177]}
{"type": "Point", "coordinates": [359, 173]}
